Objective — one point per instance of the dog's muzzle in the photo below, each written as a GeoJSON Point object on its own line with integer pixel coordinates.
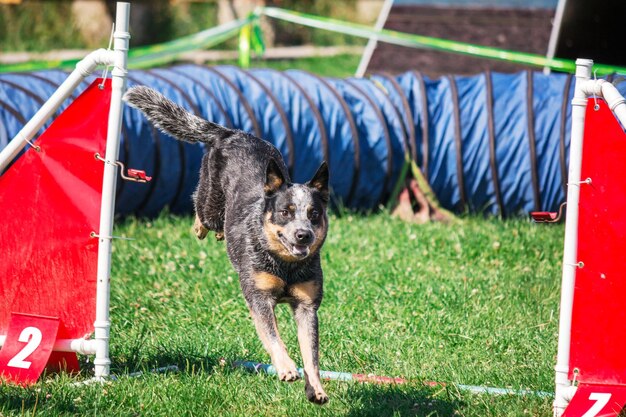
{"type": "Point", "coordinates": [299, 245]}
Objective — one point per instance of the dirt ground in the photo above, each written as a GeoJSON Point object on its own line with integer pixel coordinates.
{"type": "Point", "coordinates": [522, 30]}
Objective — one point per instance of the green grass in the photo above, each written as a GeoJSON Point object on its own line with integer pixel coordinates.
{"type": "Point", "coordinates": [471, 303]}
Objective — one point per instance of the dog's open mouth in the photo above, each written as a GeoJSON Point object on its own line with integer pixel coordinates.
{"type": "Point", "coordinates": [298, 251]}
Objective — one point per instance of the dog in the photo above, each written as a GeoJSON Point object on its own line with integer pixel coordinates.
{"type": "Point", "coordinates": [273, 229]}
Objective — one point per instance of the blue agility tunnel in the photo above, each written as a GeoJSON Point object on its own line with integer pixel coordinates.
{"type": "Point", "coordinates": [490, 143]}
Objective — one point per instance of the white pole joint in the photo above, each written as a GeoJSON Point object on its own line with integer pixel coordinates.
{"type": "Point", "coordinates": [94, 59]}
{"type": "Point", "coordinates": [607, 91]}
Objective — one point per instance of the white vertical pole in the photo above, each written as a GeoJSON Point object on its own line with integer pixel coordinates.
{"type": "Point", "coordinates": [570, 252]}
{"type": "Point", "coordinates": [371, 43]}
{"type": "Point", "coordinates": [102, 324]}
{"type": "Point", "coordinates": [556, 31]}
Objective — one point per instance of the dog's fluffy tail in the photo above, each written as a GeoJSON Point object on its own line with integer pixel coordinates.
{"type": "Point", "coordinates": [171, 118]}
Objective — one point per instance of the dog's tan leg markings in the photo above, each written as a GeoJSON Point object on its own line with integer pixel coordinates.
{"type": "Point", "coordinates": [219, 235]}
{"type": "Point", "coordinates": [306, 318]}
{"type": "Point", "coordinates": [265, 281]}
{"type": "Point", "coordinates": [199, 229]}
{"type": "Point", "coordinates": [265, 322]}
{"type": "Point", "coordinates": [305, 292]}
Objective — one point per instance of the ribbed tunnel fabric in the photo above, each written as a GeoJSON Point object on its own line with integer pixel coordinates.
{"type": "Point", "coordinates": [491, 143]}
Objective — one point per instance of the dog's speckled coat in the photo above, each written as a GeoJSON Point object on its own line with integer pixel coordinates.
{"type": "Point", "coordinates": [273, 228]}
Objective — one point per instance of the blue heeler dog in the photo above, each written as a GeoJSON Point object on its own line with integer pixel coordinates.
{"type": "Point", "coordinates": [273, 228]}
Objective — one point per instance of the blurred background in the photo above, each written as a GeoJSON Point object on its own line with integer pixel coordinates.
{"type": "Point", "coordinates": [44, 29]}
{"type": "Point", "coordinates": [40, 25]}
{"type": "Point", "coordinates": [494, 142]}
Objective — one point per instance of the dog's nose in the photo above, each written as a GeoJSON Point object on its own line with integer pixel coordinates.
{"type": "Point", "coordinates": [304, 236]}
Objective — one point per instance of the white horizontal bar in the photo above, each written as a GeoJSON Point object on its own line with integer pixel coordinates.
{"type": "Point", "coordinates": [82, 346]}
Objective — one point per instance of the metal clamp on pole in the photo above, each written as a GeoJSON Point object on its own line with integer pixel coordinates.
{"type": "Point", "coordinates": [136, 175]}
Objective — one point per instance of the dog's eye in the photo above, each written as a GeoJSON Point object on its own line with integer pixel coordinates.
{"type": "Point", "coordinates": [284, 213]}
{"type": "Point", "coordinates": [314, 215]}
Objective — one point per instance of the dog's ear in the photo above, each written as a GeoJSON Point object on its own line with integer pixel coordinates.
{"type": "Point", "coordinates": [320, 181]}
{"type": "Point", "coordinates": [274, 178]}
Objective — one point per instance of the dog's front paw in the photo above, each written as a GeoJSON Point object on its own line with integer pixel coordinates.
{"type": "Point", "coordinates": [317, 396]}
{"type": "Point", "coordinates": [219, 236]}
{"type": "Point", "coordinates": [288, 375]}
{"type": "Point", "coordinates": [287, 371]}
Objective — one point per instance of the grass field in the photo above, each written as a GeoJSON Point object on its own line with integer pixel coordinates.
{"type": "Point", "coordinates": [470, 303]}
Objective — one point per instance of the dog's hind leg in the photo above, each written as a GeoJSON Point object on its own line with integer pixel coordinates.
{"type": "Point", "coordinates": [209, 202]}
{"type": "Point", "coordinates": [308, 338]}
{"type": "Point", "coordinates": [199, 229]}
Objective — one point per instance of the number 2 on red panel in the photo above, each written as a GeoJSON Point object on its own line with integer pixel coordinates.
{"type": "Point", "coordinates": [32, 337]}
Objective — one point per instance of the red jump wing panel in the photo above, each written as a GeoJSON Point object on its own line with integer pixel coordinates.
{"type": "Point", "coordinates": [599, 315]}
{"type": "Point", "coordinates": [49, 205]}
